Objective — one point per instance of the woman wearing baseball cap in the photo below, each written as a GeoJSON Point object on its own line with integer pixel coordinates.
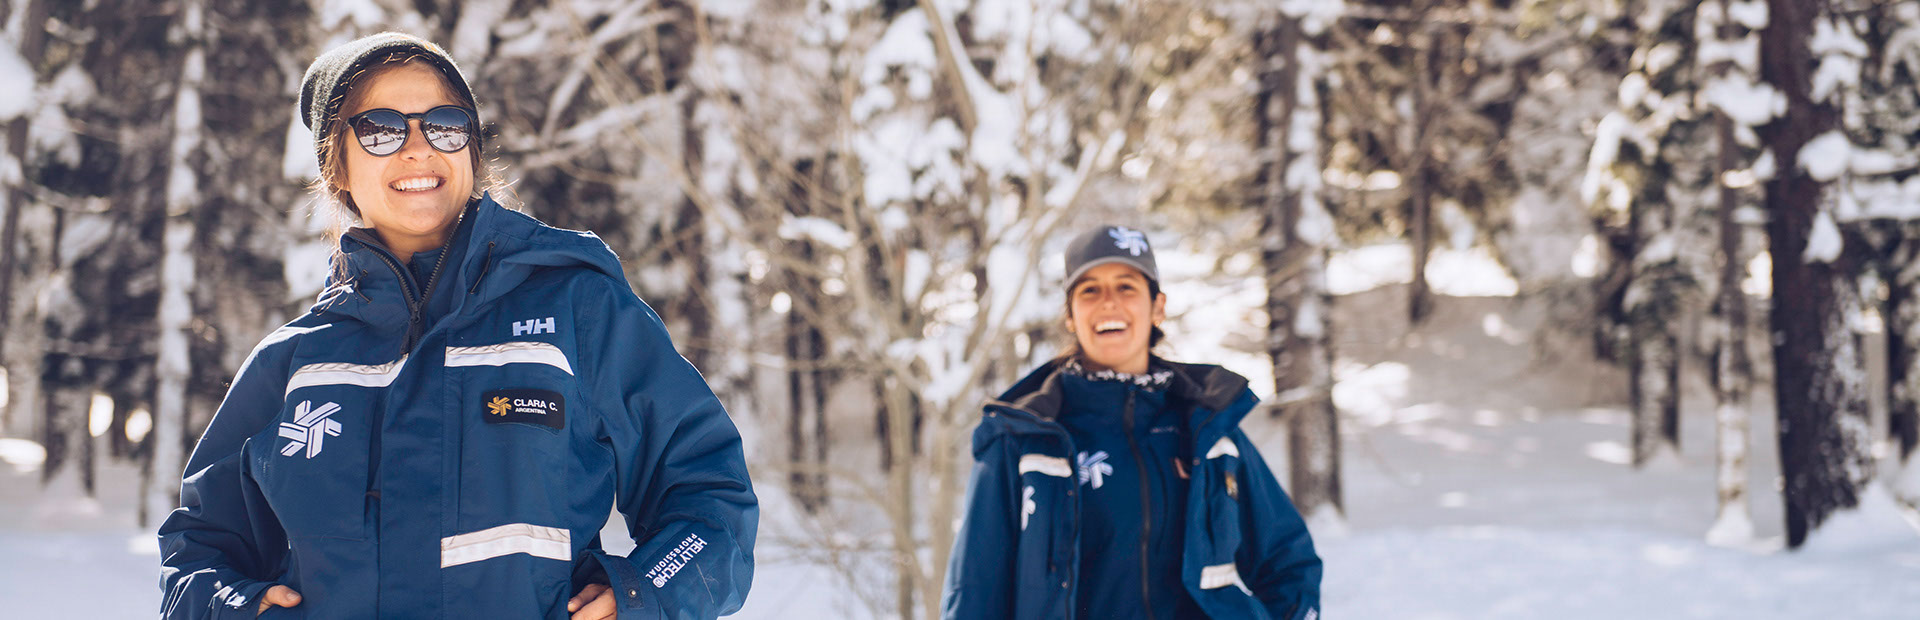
{"type": "Point", "coordinates": [443, 434]}
{"type": "Point", "coordinates": [1111, 483]}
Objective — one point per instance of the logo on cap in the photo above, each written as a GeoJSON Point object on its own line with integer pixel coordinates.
{"type": "Point", "coordinates": [1132, 241]}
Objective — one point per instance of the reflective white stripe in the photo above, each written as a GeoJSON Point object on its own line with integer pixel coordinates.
{"type": "Point", "coordinates": [330, 373]}
{"type": "Point", "coordinates": [541, 542]}
{"type": "Point", "coordinates": [509, 353]}
{"type": "Point", "coordinates": [1049, 465]}
{"type": "Point", "coordinates": [1220, 576]}
{"type": "Point", "coordinates": [1224, 447]}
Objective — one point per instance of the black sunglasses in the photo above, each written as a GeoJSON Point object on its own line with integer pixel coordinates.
{"type": "Point", "coordinates": [383, 131]}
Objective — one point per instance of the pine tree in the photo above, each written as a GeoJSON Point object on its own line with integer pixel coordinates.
{"type": "Point", "coordinates": [1882, 118]}
{"type": "Point", "coordinates": [1819, 374]}
{"type": "Point", "coordinates": [1661, 180]}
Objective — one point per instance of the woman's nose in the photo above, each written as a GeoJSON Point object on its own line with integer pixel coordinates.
{"type": "Point", "coordinates": [415, 145]}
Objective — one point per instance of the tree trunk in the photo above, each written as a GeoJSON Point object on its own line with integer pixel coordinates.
{"type": "Point", "coordinates": [1297, 301]}
{"type": "Point", "coordinates": [1654, 393]}
{"type": "Point", "coordinates": [173, 368]}
{"type": "Point", "coordinates": [1903, 347]}
{"type": "Point", "coordinates": [33, 38]}
{"type": "Point", "coordinates": [1653, 364]}
{"type": "Point", "coordinates": [900, 480]}
{"type": "Point", "coordinates": [1732, 366]}
{"type": "Point", "coordinates": [1419, 190]}
{"type": "Point", "coordinates": [1819, 377]}
{"type": "Point", "coordinates": [804, 404]}
{"type": "Point", "coordinates": [1902, 312]}
{"type": "Point", "coordinates": [691, 247]}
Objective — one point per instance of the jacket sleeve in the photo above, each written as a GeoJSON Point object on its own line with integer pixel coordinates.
{"type": "Point", "coordinates": [980, 575]}
{"type": "Point", "coordinates": [1277, 555]}
{"type": "Point", "coordinates": [680, 472]}
{"type": "Point", "coordinates": [223, 545]}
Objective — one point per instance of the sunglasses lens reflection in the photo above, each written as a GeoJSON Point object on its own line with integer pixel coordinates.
{"type": "Point", "coordinates": [380, 132]}
{"type": "Point", "coordinates": [447, 128]}
{"type": "Point", "coordinates": [383, 132]}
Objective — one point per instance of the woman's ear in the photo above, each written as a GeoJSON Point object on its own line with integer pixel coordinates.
{"type": "Point", "coordinates": [1159, 309]}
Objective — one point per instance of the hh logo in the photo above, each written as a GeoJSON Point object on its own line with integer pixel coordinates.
{"type": "Point", "coordinates": [533, 327]}
{"type": "Point", "coordinates": [309, 428]}
{"type": "Point", "coordinates": [1133, 241]}
{"type": "Point", "coordinates": [499, 406]}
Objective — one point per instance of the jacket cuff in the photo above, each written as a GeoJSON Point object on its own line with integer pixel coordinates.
{"type": "Point", "coordinates": [239, 600]}
{"type": "Point", "coordinates": [684, 570]}
{"type": "Point", "coordinates": [635, 598]}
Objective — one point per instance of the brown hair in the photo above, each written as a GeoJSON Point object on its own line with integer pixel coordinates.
{"type": "Point", "coordinates": [329, 187]}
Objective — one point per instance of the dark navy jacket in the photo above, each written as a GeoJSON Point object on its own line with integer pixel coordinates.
{"type": "Point", "coordinates": [452, 451]}
{"type": "Point", "coordinates": [1247, 553]}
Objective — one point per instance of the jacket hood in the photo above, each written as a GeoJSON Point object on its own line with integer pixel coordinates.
{"type": "Point", "coordinates": [1214, 398]}
{"type": "Point", "coordinates": [494, 251]}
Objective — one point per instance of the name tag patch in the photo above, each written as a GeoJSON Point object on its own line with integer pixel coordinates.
{"type": "Point", "coordinates": [524, 406]}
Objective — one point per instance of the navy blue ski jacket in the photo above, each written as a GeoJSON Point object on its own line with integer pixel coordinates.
{"type": "Point", "coordinates": [452, 450]}
{"type": "Point", "coordinates": [1247, 553]}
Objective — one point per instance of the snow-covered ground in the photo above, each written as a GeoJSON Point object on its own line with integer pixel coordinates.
{"type": "Point", "coordinates": [1484, 470]}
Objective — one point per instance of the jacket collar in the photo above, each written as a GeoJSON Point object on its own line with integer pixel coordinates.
{"type": "Point", "coordinates": [1215, 399]}
{"type": "Point", "coordinates": [494, 252]}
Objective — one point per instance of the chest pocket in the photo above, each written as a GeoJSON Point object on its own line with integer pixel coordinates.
{"type": "Point", "coordinates": [312, 465]}
{"type": "Point", "coordinates": [519, 408]}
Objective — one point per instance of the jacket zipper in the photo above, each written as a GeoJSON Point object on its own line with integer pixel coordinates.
{"type": "Point", "coordinates": [416, 322]}
{"type": "Point", "coordinates": [416, 300]}
{"type": "Point", "coordinates": [1146, 509]}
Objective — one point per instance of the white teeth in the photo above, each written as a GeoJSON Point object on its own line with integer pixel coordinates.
{"type": "Point", "coordinates": [416, 184]}
{"type": "Point", "coordinates": [1107, 326]}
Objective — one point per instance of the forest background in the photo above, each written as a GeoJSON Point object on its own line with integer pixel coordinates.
{"type": "Point", "coordinates": [1610, 223]}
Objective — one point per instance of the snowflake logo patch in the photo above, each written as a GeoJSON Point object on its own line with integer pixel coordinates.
{"type": "Point", "coordinates": [1027, 506]}
{"type": "Point", "coordinates": [309, 428]}
{"type": "Point", "coordinates": [1095, 468]}
{"type": "Point", "coordinates": [1132, 241]}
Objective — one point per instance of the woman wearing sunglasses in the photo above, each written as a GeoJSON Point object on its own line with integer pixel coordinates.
{"type": "Point", "coordinates": [444, 433]}
{"type": "Point", "coordinates": [1111, 483]}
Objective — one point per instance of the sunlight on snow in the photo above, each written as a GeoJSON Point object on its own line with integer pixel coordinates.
{"type": "Point", "coordinates": [25, 456]}
{"type": "Point", "coordinates": [1371, 394]}
{"type": "Point", "coordinates": [1612, 452]}
{"type": "Point", "coordinates": [1473, 272]}
{"type": "Point", "coordinates": [99, 414]}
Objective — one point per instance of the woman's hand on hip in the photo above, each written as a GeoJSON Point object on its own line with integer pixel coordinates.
{"type": "Point", "coordinates": [278, 596]}
{"type": "Point", "coordinates": [594, 602]}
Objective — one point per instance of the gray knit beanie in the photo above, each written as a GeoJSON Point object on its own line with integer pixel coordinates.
{"type": "Point", "coordinates": [325, 85]}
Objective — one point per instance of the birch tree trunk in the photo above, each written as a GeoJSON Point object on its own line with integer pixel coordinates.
{"type": "Point", "coordinates": [33, 37]}
{"type": "Point", "coordinates": [176, 263]}
{"type": "Point", "coordinates": [1732, 367]}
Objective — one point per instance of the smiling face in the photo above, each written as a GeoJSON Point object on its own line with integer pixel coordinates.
{"type": "Point", "coordinates": [1112, 312]}
{"type": "Point", "coordinates": [410, 198]}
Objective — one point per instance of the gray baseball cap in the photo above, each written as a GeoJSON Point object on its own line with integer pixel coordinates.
{"type": "Point", "coordinates": [1111, 244]}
